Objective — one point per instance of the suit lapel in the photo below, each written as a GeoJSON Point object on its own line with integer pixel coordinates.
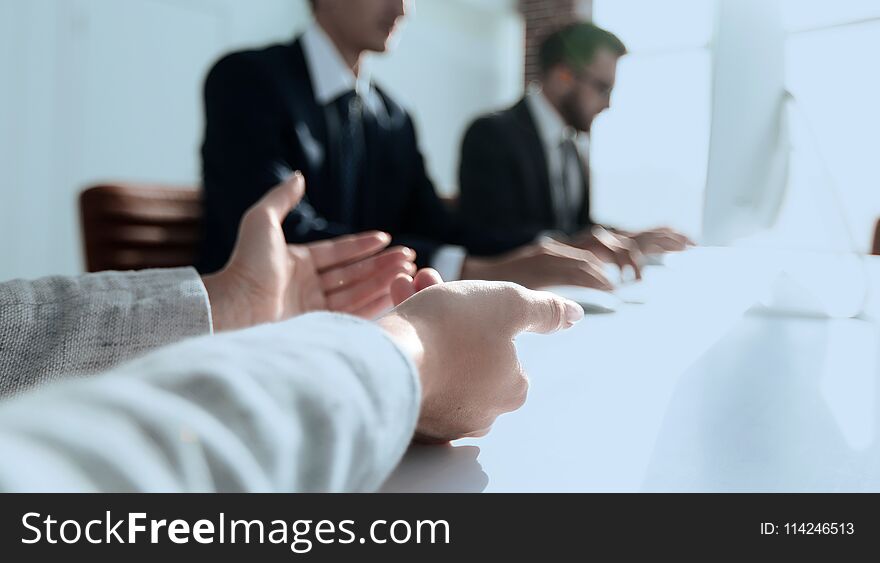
{"type": "Point", "coordinates": [309, 123]}
{"type": "Point", "coordinates": [310, 129]}
{"type": "Point", "coordinates": [532, 151]}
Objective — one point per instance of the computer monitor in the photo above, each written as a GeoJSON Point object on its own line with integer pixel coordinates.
{"type": "Point", "coordinates": [749, 150]}
{"type": "Point", "coordinates": [747, 183]}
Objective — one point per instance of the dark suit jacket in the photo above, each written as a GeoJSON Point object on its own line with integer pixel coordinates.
{"type": "Point", "coordinates": [262, 121]}
{"type": "Point", "coordinates": [504, 177]}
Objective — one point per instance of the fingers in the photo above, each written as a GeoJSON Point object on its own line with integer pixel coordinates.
{"type": "Point", "coordinates": [426, 278]}
{"type": "Point", "coordinates": [556, 247]}
{"type": "Point", "coordinates": [582, 274]}
{"type": "Point", "coordinates": [398, 259]}
{"type": "Point", "coordinates": [681, 236]}
{"type": "Point", "coordinates": [540, 311]}
{"type": "Point", "coordinates": [628, 259]}
{"type": "Point", "coordinates": [580, 267]}
{"type": "Point", "coordinates": [622, 250]}
{"type": "Point", "coordinates": [402, 288]}
{"type": "Point", "coordinates": [675, 242]}
{"type": "Point", "coordinates": [281, 200]}
{"type": "Point", "coordinates": [663, 239]}
{"type": "Point", "coordinates": [347, 249]}
{"type": "Point", "coordinates": [354, 297]}
{"type": "Point", "coordinates": [590, 275]}
{"type": "Point", "coordinates": [375, 308]}
{"type": "Point", "coordinates": [627, 256]}
{"type": "Point", "coordinates": [662, 245]}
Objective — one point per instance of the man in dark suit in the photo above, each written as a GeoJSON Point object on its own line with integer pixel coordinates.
{"type": "Point", "coordinates": [311, 106]}
{"type": "Point", "coordinates": [526, 167]}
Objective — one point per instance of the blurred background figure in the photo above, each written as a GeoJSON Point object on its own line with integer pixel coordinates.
{"type": "Point", "coordinates": [312, 106]}
{"type": "Point", "coordinates": [112, 91]}
{"type": "Point", "coordinates": [528, 165]}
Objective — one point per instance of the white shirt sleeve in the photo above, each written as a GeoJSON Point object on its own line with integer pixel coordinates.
{"type": "Point", "coordinates": [323, 402]}
{"type": "Point", "coordinates": [448, 262]}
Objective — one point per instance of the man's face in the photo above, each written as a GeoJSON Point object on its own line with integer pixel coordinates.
{"type": "Point", "coordinates": [364, 25]}
{"type": "Point", "coordinates": [589, 93]}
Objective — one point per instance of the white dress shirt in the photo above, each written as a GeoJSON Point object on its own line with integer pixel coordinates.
{"type": "Point", "coordinates": [553, 131]}
{"type": "Point", "coordinates": [331, 78]}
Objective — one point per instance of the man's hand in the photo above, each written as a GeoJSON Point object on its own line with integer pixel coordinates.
{"type": "Point", "coordinates": [460, 335]}
{"type": "Point", "coordinates": [267, 280]}
{"type": "Point", "coordinates": [540, 265]}
{"type": "Point", "coordinates": [660, 241]}
{"type": "Point", "coordinates": [611, 248]}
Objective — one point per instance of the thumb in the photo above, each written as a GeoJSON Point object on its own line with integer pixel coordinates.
{"type": "Point", "coordinates": [426, 278]}
{"type": "Point", "coordinates": [544, 312]}
{"type": "Point", "coordinates": [284, 197]}
{"type": "Point", "coordinates": [403, 287]}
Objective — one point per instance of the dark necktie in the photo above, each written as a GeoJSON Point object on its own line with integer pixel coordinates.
{"type": "Point", "coordinates": [351, 151]}
{"type": "Point", "coordinates": [566, 219]}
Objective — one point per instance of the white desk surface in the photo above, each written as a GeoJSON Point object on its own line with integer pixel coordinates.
{"type": "Point", "coordinates": [718, 395]}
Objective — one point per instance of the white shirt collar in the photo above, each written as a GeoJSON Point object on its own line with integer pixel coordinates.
{"type": "Point", "coordinates": [551, 128]}
{"type": "Point", "coordinates": [552, 131]}
{"type": "Point", "coordinates": [331, 77]}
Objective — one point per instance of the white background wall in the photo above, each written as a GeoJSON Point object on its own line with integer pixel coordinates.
{"type": "Point", "coordinates": [106, 89]}
{"type": "Point", "coordinates": [650, 149]}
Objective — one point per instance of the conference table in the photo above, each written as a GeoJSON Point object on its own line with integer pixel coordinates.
{"type": "Point", "coordinates": [726, 370]}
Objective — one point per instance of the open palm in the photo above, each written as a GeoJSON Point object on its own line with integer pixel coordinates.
{"type": "Point", "coordinates": [267, 280]}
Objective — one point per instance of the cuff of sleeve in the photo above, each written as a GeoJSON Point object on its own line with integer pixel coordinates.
{"type": "Point", "coordinates": [413, 382]}
{"type": "Point", "coordinates": [388, 374]}
{"type": "Point", "coordinates": [182, 298]}
{"type": "Point", "coordinates": [448, 261]}
{"type": "Point", "coordinates": [200, 293]}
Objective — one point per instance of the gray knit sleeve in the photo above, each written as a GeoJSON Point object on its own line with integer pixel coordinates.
{"type": "Point", "coordinates": [71, 326]}
{"type": "Point", "coordinates": [319, 403]}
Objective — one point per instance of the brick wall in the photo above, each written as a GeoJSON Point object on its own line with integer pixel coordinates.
{"type": "Point", "coordinates": [542, 18]}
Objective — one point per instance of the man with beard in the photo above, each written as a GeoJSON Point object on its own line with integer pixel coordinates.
{"type": "Point", "coordinates": [527, 166]}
